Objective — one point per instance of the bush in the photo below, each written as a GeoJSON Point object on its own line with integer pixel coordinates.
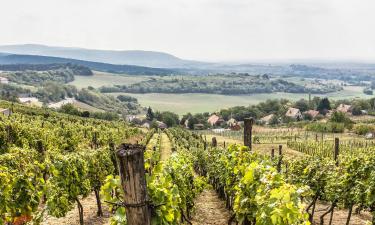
{"type": "Point", "coordinates": [330, 127]}
{"type": "Point", "coordinates": [340, 117]}
{"type": "Point", "coordinates": [362, 129]}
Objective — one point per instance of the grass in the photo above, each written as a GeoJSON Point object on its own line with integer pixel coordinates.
{"type": "Point", "coordinates": [195, 103]}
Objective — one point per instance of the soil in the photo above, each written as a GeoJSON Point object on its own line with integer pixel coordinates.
{"type": "Point", "coordinates": [210, 210]}
{"type": "Point", "coordinates": [89, 213]}
{"type": "Point", "coordinates": [340, 216]}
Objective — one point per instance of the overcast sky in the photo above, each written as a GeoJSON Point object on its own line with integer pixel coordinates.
{"type": "Point", "coordinates": [224, 30]}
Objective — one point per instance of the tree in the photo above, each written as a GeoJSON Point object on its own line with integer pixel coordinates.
{"type": "Point", "coordinates": [302, 105]}
{"type": "Point", "coordinates": [150, 114]}
{"type": "Point", "coordinates": [323, 106]}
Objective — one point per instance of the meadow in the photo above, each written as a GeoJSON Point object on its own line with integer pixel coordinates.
{"type": "Point", "coordinates": [196, 102]}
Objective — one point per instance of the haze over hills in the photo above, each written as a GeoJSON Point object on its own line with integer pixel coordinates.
{"type": "Point", "coordinates": [105, 67]}
{"type": "Point", "coordinates": [127, 57]}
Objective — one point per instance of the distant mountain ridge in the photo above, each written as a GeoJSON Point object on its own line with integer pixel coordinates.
{"type": "Point", "coordinates": [126, 57]}
{"type": "Point", "coordinates": [106, 67]}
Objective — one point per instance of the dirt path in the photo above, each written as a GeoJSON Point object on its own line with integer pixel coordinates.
{"type": "Point", "coordinates": [340, 216]}
{"type": "Point", "coordinates": [166, 147]}
{"type": "Point", "coordinates": [210, 210]}
{"type": "Point", "coordinates": [89, 212]}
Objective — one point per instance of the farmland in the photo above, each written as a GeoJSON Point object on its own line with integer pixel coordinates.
{"type": "Point", "coordinates": [200, 102]}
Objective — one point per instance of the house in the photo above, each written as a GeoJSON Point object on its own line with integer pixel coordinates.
{"type": "Point", "coordinates": [198, 126]}
{"type": "Point", "coordinates": [215, 120]}
{"type": "Point", "coordinates": [4, 80]}
{"type": "Point", "coordinates": [28, 100]}
{"type": "Point", "coordinates": [344, 108]}
{"type": "Point", "coordinates": [59, 104]}
{"type": "Point", "coordinates": [186, 123]}
{"type": "Point", "coordinates": [233, 124]}
{"type": "Point", "coordinates": [146, 125]}
{"type": "Point", "coordinates": [267, 119]}
{"type": "Point", "coordinates": [162, 125]}
{"type": "Point", "coordinates": [294, 113]}
{"type": "Point", "coordinates": [312, 113]}
{"type": "Point", "coordinates": [5, 112]}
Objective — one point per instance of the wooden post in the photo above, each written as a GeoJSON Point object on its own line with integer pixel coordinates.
{"type": "Point", "coordinates": [273, 153]}
{"type": "Point", "coordinates": [224, 144]}
{"type": "Point", "coordinates": [337, 149]}
{"type": "Point", "coordinates": [280, 159]}
{"type": "Point", "coordinates": [248, 132]}
{"type": "Point", "coordinates": [133, 180]}
{"type": "Point", "coordinates": [214, 142]}
{"type": "Point", "coordinates": [114, 160]}
{"type": "Point", "coordinates": [316, 137]}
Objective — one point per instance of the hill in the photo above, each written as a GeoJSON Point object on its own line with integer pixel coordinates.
{"type": "Point", "coordinates": [129, 57]}
{"type": "Point", "coordinates": [105, 67]}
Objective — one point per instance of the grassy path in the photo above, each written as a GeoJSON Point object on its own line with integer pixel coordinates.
{"type": "Point", "coordinates": [166, 147]}
{"type": "Point", "coordinates": [210, 209]}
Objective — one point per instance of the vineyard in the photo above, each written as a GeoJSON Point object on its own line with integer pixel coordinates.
{"type": "Point", "coordinates": [51, 162]}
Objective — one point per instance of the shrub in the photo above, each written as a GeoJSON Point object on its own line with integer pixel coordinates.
{"type": "Point", "coordinates": [330, 127]}
{"type": "Point", "coordinates": [363, 129]}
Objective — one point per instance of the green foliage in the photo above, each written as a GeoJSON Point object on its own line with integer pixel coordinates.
{"type": "Point", "coordinates": [150, 114]}
{"type": "Point", "coordinates": [363, 129]}
{"type": "Point", "coordinates": [71, 110]}
{"type": "Point", "coordinates": [323, 106]}
{"type": "Point", "coordinates": [232, 84]}
{"type": "Point", "coordinates": [302, 105]}
{"type": "Point", "coordinates": [126, 98]}
{"type": "Point", "coordinates": [330, 127]}
{"type": "Point", "coordinates": [169, 118]}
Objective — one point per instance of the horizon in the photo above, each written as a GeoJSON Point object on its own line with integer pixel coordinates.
{"type": "Point", "coordinates": [208, 30]}
{"type": "Point", "coordinates": [249, 61]}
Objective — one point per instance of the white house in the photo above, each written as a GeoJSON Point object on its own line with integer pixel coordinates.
{"type": "Point", "coordinates": [4, 80]}
{"type": "Point", "coordinates": [28, 100]}
{"type": "Point", "coordinates": [294, 113]}
{"type": "Point", "coordinates": [58, 105]}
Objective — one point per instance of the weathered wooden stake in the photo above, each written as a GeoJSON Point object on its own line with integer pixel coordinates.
{"type": "Point", "coordinates": [337, 150]}
{"type": "Point", "coordinates": [280, 159]}
{"type": "Point", "coordinates": [133, 180]}
{"type": "Point", "coordinates": [248, 132]}
{"type": "Point", "coordinates": [214, 142]}
{"type": "Point", "coordinates": [273, 153]}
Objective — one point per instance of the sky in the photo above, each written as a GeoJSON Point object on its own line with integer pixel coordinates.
{"type": "Point", "coordinates": [211, 30]}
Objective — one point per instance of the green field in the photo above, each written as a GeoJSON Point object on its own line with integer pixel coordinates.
{"type": "Point", "coordinates": [182, 103]}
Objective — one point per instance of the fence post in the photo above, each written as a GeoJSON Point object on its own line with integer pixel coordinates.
{"type": "Point", "coordinates": [248, 132]}
{"type": "Point", "coordinates": [133, 182]}
{"type": "Point", "coordinates": [337, 150]}
{"type": "Point", "coordinates": [273, 153]}
{"type": "Point", "coordinates": [214, 142]}
{"type": "Point", "coordinates": [280, 159]}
